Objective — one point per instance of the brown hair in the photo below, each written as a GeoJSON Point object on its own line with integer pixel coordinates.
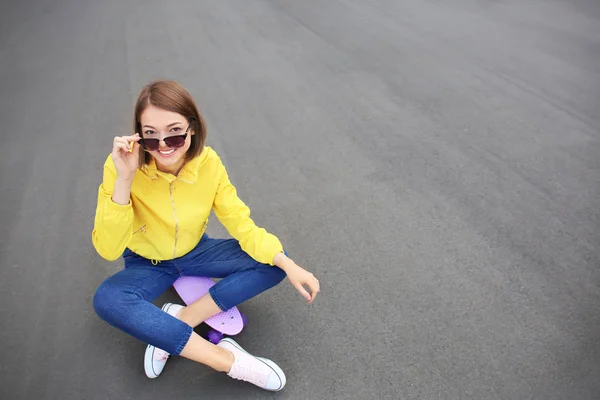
{"type": "Point", "coordinates": [171, 96]}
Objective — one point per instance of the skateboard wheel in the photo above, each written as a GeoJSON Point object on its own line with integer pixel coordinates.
{"type": "Point", "coordinates": [214, 337]}
{"type": "Point", "coordinates": [244, 318]}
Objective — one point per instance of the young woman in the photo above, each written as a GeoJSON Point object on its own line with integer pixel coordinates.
{"type": "Point", "coordinates": [159, 187]}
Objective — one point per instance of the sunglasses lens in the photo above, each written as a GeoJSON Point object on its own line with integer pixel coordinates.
{"type": "Point", "coordinates": [150, 144]}
{"type": "Point", "coordinates": [175, 141]}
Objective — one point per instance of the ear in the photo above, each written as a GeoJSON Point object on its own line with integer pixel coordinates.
{"type": "Point", "coordinates": [193, 119]}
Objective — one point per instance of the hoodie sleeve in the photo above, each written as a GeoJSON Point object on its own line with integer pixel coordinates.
{"type": "Point", "coordinates": [235, 217]}
{"type": "Point", "coordinates": [113, 222]}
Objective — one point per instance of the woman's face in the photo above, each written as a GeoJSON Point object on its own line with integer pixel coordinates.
{"type": "Point", "coordinates": [159, 124]}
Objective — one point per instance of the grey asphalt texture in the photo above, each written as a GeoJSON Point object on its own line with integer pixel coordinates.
{"type": "Point", "coordinates": [436, 165]}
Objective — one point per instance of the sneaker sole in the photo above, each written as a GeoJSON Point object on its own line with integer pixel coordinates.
{"type": "Point", "coordinates": [149, 355]}
{"type": "Point", "coordinates": [278, 371]}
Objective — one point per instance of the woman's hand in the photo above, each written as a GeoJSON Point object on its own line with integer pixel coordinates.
{"type": "Point", "coordinates": [298, 277]}
{"type": "Point", "coordinates": [126, 155]}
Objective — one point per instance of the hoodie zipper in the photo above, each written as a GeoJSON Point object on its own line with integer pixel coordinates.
{"type": "Point", "coordinates": [140, 229]}
{"type": "Point", "coordinates": [171, 189]}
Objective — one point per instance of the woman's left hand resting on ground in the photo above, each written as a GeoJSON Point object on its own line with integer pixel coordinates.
{"type": "Point", "coordinates": [298, 277]}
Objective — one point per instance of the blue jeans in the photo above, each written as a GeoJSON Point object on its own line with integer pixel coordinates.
{"type": "Point", "coordinates": [124, 300]}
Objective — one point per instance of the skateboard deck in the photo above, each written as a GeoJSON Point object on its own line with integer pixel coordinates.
{"type": "Point", "coordinates": [191, 288]}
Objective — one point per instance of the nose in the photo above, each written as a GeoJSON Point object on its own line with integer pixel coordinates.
{"type": "Point", "coordinates": [162, 145]}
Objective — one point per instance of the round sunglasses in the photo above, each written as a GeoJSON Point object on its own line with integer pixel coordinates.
{"type": "Point", "coordinates": [173, 142]}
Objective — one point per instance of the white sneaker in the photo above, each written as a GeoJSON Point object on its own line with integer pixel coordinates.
{"type": "Point", "coordinates": [155, 359]}
{"type": "Point", "coordinates": [259, 371]}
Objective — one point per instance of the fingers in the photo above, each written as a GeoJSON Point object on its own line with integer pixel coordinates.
{"type": "Point", "coordinates": [122, 146]}
{"type": "Point", "coordinates": [303, 291]}
{"type": "Point", "coordinates": [136, 148]}
{"type": "Point", "coordinates": [314, 286]}
{"type": "Point", "coordinates": [127, 139]}
{"type": "Point", "coordinates": [317, 284]}
{"type": "Point", "coordinates": [125, 143]}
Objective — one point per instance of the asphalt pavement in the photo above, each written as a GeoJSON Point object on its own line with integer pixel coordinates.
{"type": "Point", "coordinates": [436, 164]}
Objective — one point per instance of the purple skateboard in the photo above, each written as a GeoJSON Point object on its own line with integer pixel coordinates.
{"type": "Point", "coordinates": [230, 322]}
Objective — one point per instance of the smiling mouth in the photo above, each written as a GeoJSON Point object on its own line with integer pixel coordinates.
{"type": "Point", "coordinates": [166, 153]}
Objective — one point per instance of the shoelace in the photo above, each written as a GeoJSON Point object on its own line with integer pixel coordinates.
{"type": "Point", "coordinates": [160, 355]}
{"type": "Point", "coordinates": [247, 374]}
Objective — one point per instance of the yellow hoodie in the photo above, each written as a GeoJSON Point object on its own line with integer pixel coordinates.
{"type": "Point", "coordinates": [167, 215]}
